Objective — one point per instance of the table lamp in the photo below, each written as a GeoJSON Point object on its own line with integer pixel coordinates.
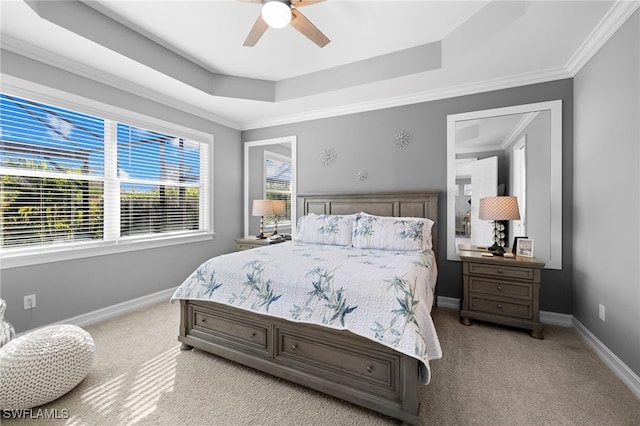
{"type": "Point", "coordinates": [498, 209]}
{"type": "Point", "coordinates": [262, 208]}
{"type": "Point", "coordinates": [279, 208]}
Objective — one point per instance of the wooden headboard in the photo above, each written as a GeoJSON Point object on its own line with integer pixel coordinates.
{"type": "Point", "coordinates": [396, 204]}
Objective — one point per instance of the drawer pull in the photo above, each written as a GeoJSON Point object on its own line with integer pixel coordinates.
{"type": "Point", "coordinates": [499, 306]}
{"type": "Point", "coordinates": [294, 346]}
{"type": "Point", "coordinates": [204, 320]}
{"type": "Point", "coordinates": [499, 271]}
{"type": "Point", "coordinates": [253, 335]}
{"type": "Point", "coordinates": [500, 288]}
{"type": "Point", "coordinates": [369, 368]}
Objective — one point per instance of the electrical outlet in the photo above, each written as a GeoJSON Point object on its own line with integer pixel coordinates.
{"type": "Point", "coordinates": [601, 312]}
{"type": "Point", "coordinates": [29, 302]}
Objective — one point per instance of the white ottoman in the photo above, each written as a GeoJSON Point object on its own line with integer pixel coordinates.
{"type": "Point", "coordinates": [43, 365]}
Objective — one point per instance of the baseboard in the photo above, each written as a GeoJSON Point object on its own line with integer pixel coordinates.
{"type": "Point", "coordinates": [614, 363]}
{"type": "Point", "coordinates": [448, 302]}
{"type": "Point", "coordinates": [118, 309]}
{"type": "Point", "coordinates": [555, 318]}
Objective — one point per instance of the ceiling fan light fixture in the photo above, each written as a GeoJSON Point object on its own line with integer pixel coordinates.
{"type": "Point", "coordinates": [276, 14]}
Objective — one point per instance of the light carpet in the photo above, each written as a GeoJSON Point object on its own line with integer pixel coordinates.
{"type": "Point", "coordinates": [489, 375]}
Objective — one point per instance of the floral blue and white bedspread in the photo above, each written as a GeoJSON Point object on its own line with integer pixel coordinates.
{"type": "Point", "coordinates": [383, 295]}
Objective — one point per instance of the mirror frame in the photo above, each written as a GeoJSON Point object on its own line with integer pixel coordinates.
{"type": "Point", "coordinates": [294, 202]}
{"type": "Point", "coordinates": [555, 238]}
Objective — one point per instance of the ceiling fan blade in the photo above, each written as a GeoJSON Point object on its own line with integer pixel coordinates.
{"type": "Point", "coordinates": [302, 24]}
{"type": "Point", "coordinates": [301, 3]}
{"type": "Point", "coordinates": [256, 32]}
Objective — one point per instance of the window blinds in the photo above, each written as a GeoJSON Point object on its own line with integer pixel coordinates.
{"type": "Point", "coordinates": [52, 170]}
{"type": "Point", "coordinates": [159, 182]}
{"type": "Point", "coordinates": [69, 177]}
{"type": "Point", "coordinates": [277, 182]}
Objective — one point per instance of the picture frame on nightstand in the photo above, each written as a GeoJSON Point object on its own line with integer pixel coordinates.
{"type": "Point", "coordinates": [515, 243]}
{"type": "Point", "coordinates": [524, 247]}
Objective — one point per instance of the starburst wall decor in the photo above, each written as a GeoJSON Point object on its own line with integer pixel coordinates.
{"type": "Point", "coordinates": [402, 139]}
{"type": "Point", "coordinates": [328, 156]}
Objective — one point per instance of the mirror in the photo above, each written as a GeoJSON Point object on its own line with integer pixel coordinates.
{"type": "Point", "coordinates": [270, 172]}
{"type": "Point", "coordinates": [506, 151]}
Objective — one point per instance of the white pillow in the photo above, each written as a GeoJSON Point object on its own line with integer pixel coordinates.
{"type": "Point", "coordinates": [325, 229]}
{"type": "Point", "coordinates": [392, 233]}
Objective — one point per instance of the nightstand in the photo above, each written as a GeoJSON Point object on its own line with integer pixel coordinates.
{"type": "Point", "coordinates": [501, 290]}
{"type": "Point", "coordinates": [247, 243]}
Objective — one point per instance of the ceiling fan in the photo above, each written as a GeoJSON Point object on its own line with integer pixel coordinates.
{"type": "Point", "coordinates": [279, 14]}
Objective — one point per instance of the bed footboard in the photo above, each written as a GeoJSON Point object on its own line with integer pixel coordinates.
{"type": "Point", "coordinates": [335, 362]}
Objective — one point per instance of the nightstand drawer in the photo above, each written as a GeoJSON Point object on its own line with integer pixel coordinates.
{"type": "Point", "coordinates": [240, 247]}
{"type": "Point", "coordinates": [249, 243]}
{"type": "Point", "coordinates": [518, 272]}
{"type": "Point", "coordinates": [511, 289]}
{"type": "Point", "coordinates": [513, 308]}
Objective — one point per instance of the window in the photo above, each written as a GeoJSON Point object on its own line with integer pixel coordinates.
{"type": "Point", "coordinates": [70, 178]}
{"type": "Point", "coordinates": [159, 182]}
{"type": "Point", "coordinates": [277, 184]}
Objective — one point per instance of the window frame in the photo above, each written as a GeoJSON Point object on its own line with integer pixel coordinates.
{"type": "Point", "coordinates": [26, 256]}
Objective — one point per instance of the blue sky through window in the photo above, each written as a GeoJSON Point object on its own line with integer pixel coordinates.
{"type": "Point", "coordinates": [148, 155]}
{"type": "Point", "coordinates": [54, 138]}
{"type": "Point", "coordinates": [278, 171]}
{"type": "Point", "coordinates": [36, 135]}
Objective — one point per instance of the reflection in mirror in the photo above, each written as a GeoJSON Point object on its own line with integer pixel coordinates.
{"type": "Point", "coordinates": [270, 174]}
{"type": "Point", "coordinates": [506, 151]}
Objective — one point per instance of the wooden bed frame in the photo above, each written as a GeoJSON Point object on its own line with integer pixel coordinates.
{"type": "Point", "coordinates": [336, 362]}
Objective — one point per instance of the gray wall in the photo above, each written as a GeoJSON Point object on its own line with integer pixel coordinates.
{"type": "Point", "coordinates": [365, 141]}
{"type": "Point", "coordinates": [607, 194]}
{"type": "Point", "coordinates": [67, 289]}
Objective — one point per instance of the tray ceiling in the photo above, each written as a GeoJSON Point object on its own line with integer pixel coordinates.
{"type": "Point", "coordinates": [189, 54]}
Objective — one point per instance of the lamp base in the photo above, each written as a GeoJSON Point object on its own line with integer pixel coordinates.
{"type": "Point", "coordinates": [261, 236]}
{"type": "Point", "coordinates": [493, 247]}
{"type": "Point", "coordinates": [498, 252]}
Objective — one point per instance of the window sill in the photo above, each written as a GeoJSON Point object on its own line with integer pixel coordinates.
{"type": "Point", "coordinates": [84, 250]}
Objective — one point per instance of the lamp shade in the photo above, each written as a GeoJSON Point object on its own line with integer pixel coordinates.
{"type": "Point", "coordinates": [499, 208]}
{"type": "Point", "coordinates": [262, 208]}
{"type": "Point", "coordinates": [279, 207]}
{"type": "Point", "coordinates": [276, 13]}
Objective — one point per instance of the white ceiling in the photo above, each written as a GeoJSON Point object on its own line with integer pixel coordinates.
{"type": "Point", "coordinates": [486, 134]}
{"type": "Point", "coordinates": [482, 45]}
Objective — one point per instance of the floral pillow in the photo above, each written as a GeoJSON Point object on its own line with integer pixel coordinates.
{"type": "Point", "coordinates": [392, 233]}
{"type": "Point", "coordinates": [325, 229]}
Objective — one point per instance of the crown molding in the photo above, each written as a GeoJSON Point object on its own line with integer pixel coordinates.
{"type": "Point", "coordinates": [612, 21]}
{"type": "Point", "coordinates": [414, 98]}
{"type": "Point", "coordinates": [30, 51]}
{"type": "Point", "coordinates": [488, 148]}
{"type": "Point", "coordinates": [522, 124]}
